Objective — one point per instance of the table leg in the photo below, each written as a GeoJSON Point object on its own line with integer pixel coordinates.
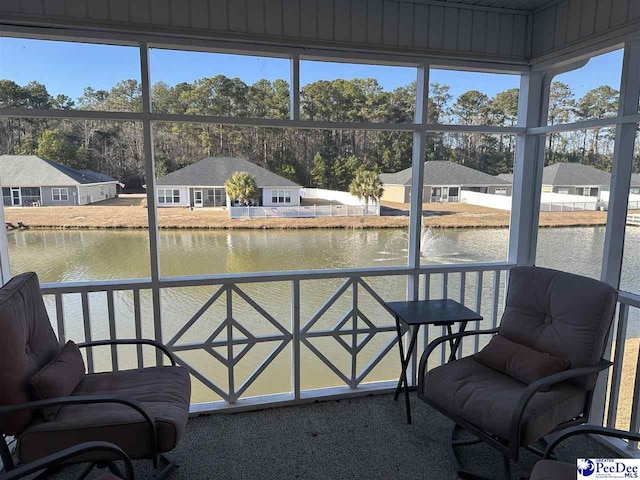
{"type": "Point", "coordinates": [455, 344]}
{"type": "Point", "coordinates": [404, 361]}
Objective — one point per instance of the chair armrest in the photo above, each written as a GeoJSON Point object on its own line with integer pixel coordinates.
{"type": "Point", "coordinates": [535, 387]}
{"type": "Point", "coordinates": [67, 454]}
{"type": "Point", "coordinates": [132, 341]}
{"type": "Point", "coordinates": [587, 429]}
{"type": "Point", "coordinates": [432, 346]}
{"type": "Point", "coordinates": [86, 400]}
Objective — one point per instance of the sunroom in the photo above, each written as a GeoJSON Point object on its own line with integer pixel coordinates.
{"type": "Point", "coordinates": [288, 313]}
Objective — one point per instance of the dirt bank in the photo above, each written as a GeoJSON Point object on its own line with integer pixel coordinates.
{"type": "Point", "coordinates": [128, 212]}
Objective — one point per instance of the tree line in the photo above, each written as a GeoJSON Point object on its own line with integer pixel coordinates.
{"type": "Point", "coordinates": [322, 158]}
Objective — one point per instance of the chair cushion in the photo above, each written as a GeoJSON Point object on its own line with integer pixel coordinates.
{"type": "Point", "coordinates": [562, 314]}
{"type": "Point", "coordinates": [27, 343]}
{"type": "Point", "coordinates": [486, 398]}
{"type": "Point", "coordinates": [519, 361]}
{"type": "Point", "coordinates": [59, 378]}
{"type": "Point", "coordinates": [552, 470]}
{"type": "Point", "coordinates": [165, 392]}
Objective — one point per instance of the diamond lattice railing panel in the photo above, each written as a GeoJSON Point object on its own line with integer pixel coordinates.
{"type": "Point", "coordinates": [351, 333]}
{"type": "Point", "coordinates": [230, 341]}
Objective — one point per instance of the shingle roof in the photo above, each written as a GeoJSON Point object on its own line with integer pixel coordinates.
{"type": "Point", "coordinates": [438, 172]}
{"type": "Point", "coordinates": [34, 171]}
{"type": "Point", "coordinates": [214, 172]}
{"type": "Point", "coordinates": [569, 174]}
{"type": "Point", "coordinates": [566, 174]}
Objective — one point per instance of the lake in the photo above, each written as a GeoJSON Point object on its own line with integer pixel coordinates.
{"type": "Point", "coordinates": [75, 255]}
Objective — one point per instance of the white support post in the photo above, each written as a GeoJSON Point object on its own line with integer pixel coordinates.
{"type": "Point", "coordinates": [417, 177]}
{"type": "Point", "coordinates": [152, 212]}
{"type": "Point", "coordinates": [618, 200]}
{"type": "Point", "coordinates": [527, 169]}
{"type": "Point", "coordinates": [294, 85]}
{"type": "Point", "coordinates": [417, 185]}
{"type": "Point", "coordinates": [622, 166]}
{"type": "Point", "coordinates": [5, 270]}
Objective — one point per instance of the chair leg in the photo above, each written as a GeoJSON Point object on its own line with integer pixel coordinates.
{"type": "Point", "coordinates": [507, 467]}
{"type": "Point", "coordinates": [165, 467]}
{"type": "Point", "coordinates": [85, 471]}
{"type": "Point", "coordinates": [451, 444]}
{"type": "Point", "coordinates": [113, 468]}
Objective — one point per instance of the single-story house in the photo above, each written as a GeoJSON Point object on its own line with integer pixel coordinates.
{"type": "Point", "coordinates": [443, 182]}
{"type": "Point", "coordinates": [577, 179]}
{"type": "Point", "coordinates": [201, 184]}
{"type": "Point", "coordinates": [31, 180]}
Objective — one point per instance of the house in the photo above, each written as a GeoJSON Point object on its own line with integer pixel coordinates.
{"type": "Point", "coordinates": [443, 182]}
{"type": "Point", "coordinates": [577, 179]}
{"type": "Point", "coordinates": [31, 180]}
{"type": "Point", "coordinates": [202, 185]}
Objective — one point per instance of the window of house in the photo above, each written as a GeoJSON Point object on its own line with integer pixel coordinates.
{"type": "Point", "coordinates": [30, 191]}
{"type": "Point", "coordinates": [168, 195]}
{"type": "Point", "coordinates": [564, 191]}
{"type": "Point", "coordinates": [635, 190]}
{"type": "Point", "coordinates": [281, 196]}
{"type": "Point", "coordinates": [501, 191]}
{"type": "Point", "coordinates": [60, 194]}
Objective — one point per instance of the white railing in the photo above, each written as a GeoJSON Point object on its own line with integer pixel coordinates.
{"type": "Point", "coordinates": [633, 219]}
{"type": "Point", "coordinates": [363, 330]}
{"type": "Point", "coordinates": [301, 211]}
{"type": "Point", "coordinates": [623, 395]}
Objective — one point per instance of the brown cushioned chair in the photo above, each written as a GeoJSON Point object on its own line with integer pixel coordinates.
{"type": "Point", "coordinates": [548, 469]}
{"type": "Point", "coordinates": [552, 313]}
{"type": "Point", "coordinates": [55, 459]}
{"type": "Point", "coordinates": [144, 411]}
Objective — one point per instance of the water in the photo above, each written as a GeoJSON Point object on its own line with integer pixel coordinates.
{"type": "Point", "coordinates": [75, 255]}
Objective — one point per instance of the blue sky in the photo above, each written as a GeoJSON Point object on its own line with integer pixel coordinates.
{"type": "Point", "coordinates": [67, 68]}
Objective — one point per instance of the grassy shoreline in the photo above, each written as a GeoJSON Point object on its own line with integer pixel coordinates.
{"type": "Point", "coordinates": [127, 212]}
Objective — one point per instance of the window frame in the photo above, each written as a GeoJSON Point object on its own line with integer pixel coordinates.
{"type": "Point", "coordinates": [62, 192]}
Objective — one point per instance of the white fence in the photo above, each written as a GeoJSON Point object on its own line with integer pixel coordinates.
{"type": "Point", "coordinates": [500, 202]}
{"type": "Point", "coordinates": [549, 202]}
{"type": "Point", "coordinates": [571, 206]}
{"type": "Point", "coordinates": [309, 211]}
{"type": "Point", "coordinates": [332, 196]}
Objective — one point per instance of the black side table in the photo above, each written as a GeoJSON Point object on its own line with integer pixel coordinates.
{"type": "Point", "coordinates": [427, 312]}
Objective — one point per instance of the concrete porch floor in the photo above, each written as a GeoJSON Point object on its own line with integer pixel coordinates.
{"type": "Point", "coordinates": [358, 438]}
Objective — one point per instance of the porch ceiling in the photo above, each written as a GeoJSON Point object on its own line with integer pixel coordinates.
{"type": "Point", "coordinates": [363, 437]}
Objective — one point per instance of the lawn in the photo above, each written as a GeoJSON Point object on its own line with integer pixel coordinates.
{"type": "Point", "coordinates": [129, 211]}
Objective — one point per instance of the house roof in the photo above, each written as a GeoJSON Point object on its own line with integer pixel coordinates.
{"type": "Point", "coordinates": [566, 174]}
{"type": "Point", "coordinates": [438, 172]}
{"type": "Point", "coordinates": [34, 171]}
{"type": "Point", "coordinates": [569, 174]}
{"type": "Point", "coordinates": [214, 172]}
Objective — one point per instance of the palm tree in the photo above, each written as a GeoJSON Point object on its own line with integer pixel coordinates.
{"type": "Point", "coordinates": [242, 187]}
{"type": "Point", "coordinates": [366, 185]}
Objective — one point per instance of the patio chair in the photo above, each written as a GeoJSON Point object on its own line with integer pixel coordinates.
{"type": "Point", "coordinates": [538, 372]}
{"type": "Point", "coordinates": [52, 462]}
{"type": "Point", "coordinates": [548, 469]}
{"type": "Point", "coordinates": [144, 412]}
